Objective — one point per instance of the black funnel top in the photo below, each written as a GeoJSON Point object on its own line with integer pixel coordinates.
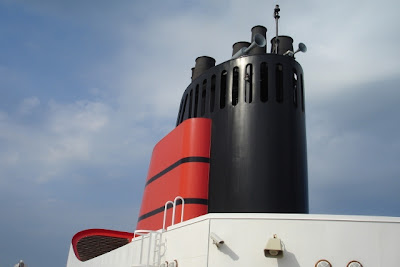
{"type": "Point", "coordinates": [285, 43]}
{"type": "Point", "coordinates": [202, 64]}
{"type": "Point", "coordinates": [258, 30]}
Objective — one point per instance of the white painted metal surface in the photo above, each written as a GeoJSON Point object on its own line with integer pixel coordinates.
{"type": "Point", "coordinates": [306, 239]}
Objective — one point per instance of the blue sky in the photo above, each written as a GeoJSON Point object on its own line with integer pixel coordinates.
{"type": "Point", "coordinates": [87, 88]}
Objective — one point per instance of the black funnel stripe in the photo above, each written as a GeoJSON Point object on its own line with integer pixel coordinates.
{"type": "Point", "coordinates": [201, 201]}
{"type": "Point", "coordinates": [176, 164]}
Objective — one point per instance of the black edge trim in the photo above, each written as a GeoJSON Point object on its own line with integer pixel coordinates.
{"type": "Point", "coordinates": [201, 201]}
{"type": "Point", "coordinates": [176, 164]}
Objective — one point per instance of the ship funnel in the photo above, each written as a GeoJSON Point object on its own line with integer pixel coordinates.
{"type": "Point", "coordinates": [238, 46]}
{"type": "Point", "coordinates": [258, 41]}
{"type": "Point", "coordinates": [202, 64]}
{"type": "Point", "coordinates": [284, 43]}
{"type": "Point", "coordinates": [258, 30]}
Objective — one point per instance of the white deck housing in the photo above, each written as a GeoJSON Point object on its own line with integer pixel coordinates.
{"type": "Point", "coordinates": [305, 238]}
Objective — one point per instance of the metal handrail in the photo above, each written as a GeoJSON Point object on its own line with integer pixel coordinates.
{"type": "Point", "coordinates": [148, 233]}
{"type": "Point", "coordinates": [165, 212]}
{"type": "Point", "coordinates": [174, 208]}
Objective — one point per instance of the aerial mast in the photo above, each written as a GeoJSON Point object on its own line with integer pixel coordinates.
{"type": "Point", "coordinates": [276, 16]}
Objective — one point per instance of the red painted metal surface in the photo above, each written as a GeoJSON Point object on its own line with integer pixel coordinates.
{"type": "Point", "coordinates": [155, 221]}
{"type": "Point", "coordinates": [179, 167]}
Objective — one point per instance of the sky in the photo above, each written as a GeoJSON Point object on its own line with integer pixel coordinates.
{"type": "Point", "coordinates": [87, 88]}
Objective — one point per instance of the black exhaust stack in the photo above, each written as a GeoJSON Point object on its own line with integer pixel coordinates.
{"type": "Point", "coordinates": [202, 64]}
{"type": "Point", "coordinates": [285, 43]}
{"type": "Point", "coordinates": [258, 30]}
{"type": "Point", "coordinates": [238, 46]}
{"type": "Point", "coordinates": [256, 102]}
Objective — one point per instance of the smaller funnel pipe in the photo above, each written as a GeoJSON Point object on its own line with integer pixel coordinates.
{"type": "Point", "coordinates": [285, 43]}
{"type": "Point", "coordinates": [192, 73]}
{"type": "Point", "coordinates": [258, 30]}
{"type": "Point", "coordinates": [202, 64]}
{"type": "Point", "coordinates": [259, 41]}
{"type": "Point", "coordinates": [238, 46]}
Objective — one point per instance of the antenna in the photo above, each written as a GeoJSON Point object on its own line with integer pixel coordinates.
{"type": "Point", "coordinates": [276, 16]}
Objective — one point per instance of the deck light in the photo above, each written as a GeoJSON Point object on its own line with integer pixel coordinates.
{"type": "Point", "coordinates": [273, 248]}
{"type": "Point", "coordinates": [216, 240]}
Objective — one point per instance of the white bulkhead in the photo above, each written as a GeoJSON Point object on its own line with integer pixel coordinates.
{"type": "Point", "coordinates": [241, 239]}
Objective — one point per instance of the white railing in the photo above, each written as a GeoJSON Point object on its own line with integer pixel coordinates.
{"type": "Point", "coordinates": [173, 210]}
{"type": "Point", "coordinates": [165, 213]}
{"type": "Point", "coordinates": [156, 244]}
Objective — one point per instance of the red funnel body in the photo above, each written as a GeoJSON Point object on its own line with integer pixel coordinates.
{"type": "Point", "coordinates": [179, 167]}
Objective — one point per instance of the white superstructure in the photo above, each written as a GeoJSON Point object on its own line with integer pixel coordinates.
{"type": "Point", "coordinates": [307, 240]}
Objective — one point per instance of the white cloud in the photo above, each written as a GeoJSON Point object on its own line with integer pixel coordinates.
{"type": "Point", "coordinates": [28, 104]}
{"type": "Point", "coordinates": [81, 116]}
{"type": "Point", "coordinates": [69, 137]}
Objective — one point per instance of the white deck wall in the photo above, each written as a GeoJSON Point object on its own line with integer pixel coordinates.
{"type": "Point", "coordinates": [373, 241]}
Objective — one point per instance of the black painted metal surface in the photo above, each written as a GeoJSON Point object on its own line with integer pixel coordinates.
{"type": "Point", "coordinates": [285, 43]}
{"type": "Point", "coordinates": [260, 30]}
{"type": "Point", "coordinates": [258, 147]}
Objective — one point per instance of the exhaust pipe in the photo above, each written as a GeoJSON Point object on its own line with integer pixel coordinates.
{"type": "Point", "coordinates": [285, 43]}
{"type": "Point", "coordinates": [239, 45]}
{"type": "Point", "coordinates": [263, 31]}
{"type": "Point", "coordinates": [259, 41]}
{"type": "Point", "coordinates": [202, 64]}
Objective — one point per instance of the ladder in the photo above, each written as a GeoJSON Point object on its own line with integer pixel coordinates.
{"type": "Point", "coordinates": [154, 241]}
{"type": "Point", "coordinates": [155, 237]}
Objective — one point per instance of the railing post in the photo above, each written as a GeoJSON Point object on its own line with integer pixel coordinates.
{"type": "Point", "coordinates": [165, 212]}
{"type": "Point", "coordinates": [174, 208]}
